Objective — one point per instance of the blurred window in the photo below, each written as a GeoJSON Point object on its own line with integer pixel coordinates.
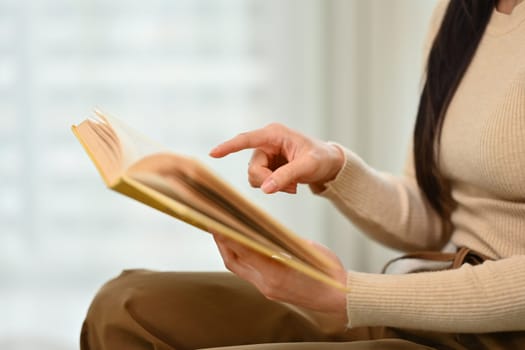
{"type": "Point", "coordinates": [187, 73]}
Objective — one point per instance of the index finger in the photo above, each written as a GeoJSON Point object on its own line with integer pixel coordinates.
{"type": "Point", "coordinates": [246, 140]}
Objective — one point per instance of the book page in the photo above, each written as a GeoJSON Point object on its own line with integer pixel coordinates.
{"type": "Point", "coordinates": [102, 146]}
{"type": "Point", "coordinates": [211, 194]}
{"type": "Point", "coordinates": [171, 186]}
{"type": "Point", "coordinates": [112, 145]}
{"type": "Point", "coordinates": [155, 199]}
{"type": "Point", "coordinates": [135, 145]}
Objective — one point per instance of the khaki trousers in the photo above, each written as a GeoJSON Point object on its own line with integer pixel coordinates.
{"type": "Point", "coordinates": [143, 309]}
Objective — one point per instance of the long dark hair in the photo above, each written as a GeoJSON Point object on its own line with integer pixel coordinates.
{"type": "Point", "coordinates": [452, 50]}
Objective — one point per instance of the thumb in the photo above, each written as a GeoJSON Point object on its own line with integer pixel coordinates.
{"type": "Point", "coordinates": [337, 267]}
{"type": "Point", "coordinates": [284, 176]}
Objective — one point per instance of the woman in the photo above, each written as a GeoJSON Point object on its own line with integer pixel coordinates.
{"type": "Point", "coordinates": [464, 188]}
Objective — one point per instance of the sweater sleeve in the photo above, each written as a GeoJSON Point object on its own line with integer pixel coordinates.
{"type": "Point", "coordinates": [471, 299]}
{"type": "Point", "coordinates": [390, 209]}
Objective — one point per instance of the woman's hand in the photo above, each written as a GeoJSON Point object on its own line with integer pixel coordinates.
{"type": "Point", "coordinates": [326, 305]}
{"type": "Point", "coordinates": [283, 158]}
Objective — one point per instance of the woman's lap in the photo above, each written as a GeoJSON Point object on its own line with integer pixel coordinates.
{"type": "Point", "coordinates": [143, 309]}
{"type": "Point", "coordinates": [189, 310]}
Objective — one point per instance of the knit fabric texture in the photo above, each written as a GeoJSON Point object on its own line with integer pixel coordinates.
{"type": "Point", "coordinates": [482, 156]}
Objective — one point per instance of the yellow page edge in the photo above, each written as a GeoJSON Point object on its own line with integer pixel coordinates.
{"type": "Point", "coordinates": [202, 221]}
{"type": "Point", "coordinates": [90, 154]}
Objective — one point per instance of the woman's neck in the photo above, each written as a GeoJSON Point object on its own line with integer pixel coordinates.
{"type": "Point", "coordinates": [506, 6]}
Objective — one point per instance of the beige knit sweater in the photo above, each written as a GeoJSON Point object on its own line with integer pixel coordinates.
{"type": "Point", "coordinates": [483, 157]}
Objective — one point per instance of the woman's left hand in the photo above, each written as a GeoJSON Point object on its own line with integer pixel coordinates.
{"type": "Point", "coordinates": [278, 282]}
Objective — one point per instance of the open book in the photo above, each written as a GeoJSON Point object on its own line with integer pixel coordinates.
{"type": "Point", "coordinates": [184, 188]}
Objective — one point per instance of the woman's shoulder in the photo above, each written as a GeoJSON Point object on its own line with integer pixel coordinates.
{"type": "Point", "coordinates": [435, 22]}
{"type": "Point", "coordinates": [438, 14]}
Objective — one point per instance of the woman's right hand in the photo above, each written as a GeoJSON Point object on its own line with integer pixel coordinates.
{"type": "Point", "coordinates": [283, 158]}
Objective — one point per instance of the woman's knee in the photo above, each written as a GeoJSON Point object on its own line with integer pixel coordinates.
{"type": "Point", "coordinates": [110, 319]}
{"type": "Point", "coordinates": [112, 297]}
{"type": "Point", "coordinates": [153, 307]}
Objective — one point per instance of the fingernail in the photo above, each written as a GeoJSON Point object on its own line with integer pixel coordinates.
{"type": "Point", "coordinates": [269, 186]}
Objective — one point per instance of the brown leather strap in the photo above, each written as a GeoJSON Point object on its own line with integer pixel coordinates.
{"type": "Point", "coordinates": [461, 256]}
{"type": "Point", "coordinates": [469, 256]}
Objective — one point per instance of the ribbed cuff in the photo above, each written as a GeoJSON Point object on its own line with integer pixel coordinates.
{"type": "Point", "coordinates": [354, 179]}
{"type": "Point", "coordinates": [359, 190]}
